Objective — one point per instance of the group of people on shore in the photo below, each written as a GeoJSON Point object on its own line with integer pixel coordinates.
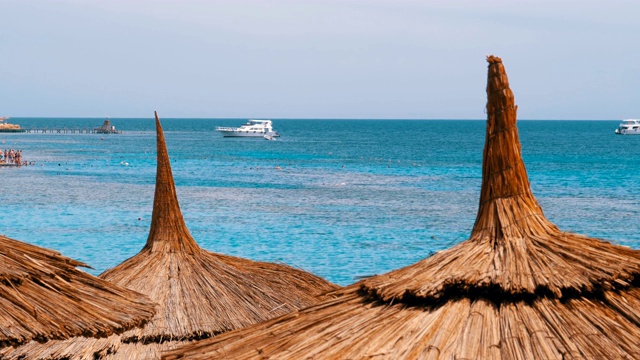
{"type": "Point", "coordinates": [12, 157]}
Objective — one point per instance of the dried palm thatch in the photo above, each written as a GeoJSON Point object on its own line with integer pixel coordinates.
{"type": "Point", "coordinates": [200, 293]}
{"type": "Point", "coordinates": [519, 288]}
{"type": "Point", "coordinates": [43, 296]}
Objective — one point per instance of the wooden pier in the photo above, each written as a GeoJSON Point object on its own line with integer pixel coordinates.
{"type": "Point", "coordinates": [61, 131]}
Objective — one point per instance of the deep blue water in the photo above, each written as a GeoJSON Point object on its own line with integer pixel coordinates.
{"type": "Point", "coordinates": [353, 198]}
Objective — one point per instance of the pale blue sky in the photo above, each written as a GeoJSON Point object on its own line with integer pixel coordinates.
{"type": "Point", "coordinates": [317, 59]}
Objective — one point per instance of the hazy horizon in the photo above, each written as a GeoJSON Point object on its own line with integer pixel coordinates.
{"type": "Point", "coordinates": [277, 119]}
{"type": "Point", "coordinates": [330, 59]}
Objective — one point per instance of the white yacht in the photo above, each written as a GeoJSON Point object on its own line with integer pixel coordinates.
{"type": "Point", "coordinates": [629, 127]}
{"type": "Point", "coordinates": [253, 128]}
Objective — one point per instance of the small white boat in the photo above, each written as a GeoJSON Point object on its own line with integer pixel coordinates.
{"type": "Point", "coordinates": [629, 127]}
{"type": "Point", "coordinates": [270, 136]}
{"type": "Point", "coordinates": [253, 128]}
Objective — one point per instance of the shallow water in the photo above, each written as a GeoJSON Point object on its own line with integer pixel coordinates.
{"type": "Point", "coordinates": [353, 198]}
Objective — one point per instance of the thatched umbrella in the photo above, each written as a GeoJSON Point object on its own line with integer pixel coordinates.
{"type": "Point", "coordinates": [518, 288]}
{"type": "Point", "coordinates": [43, 296]}
{"type": "Point", "coordinates": [200, 293]}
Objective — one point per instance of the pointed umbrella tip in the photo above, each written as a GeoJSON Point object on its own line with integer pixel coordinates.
{"type": "Point", "coordinates": [158, 126]}
{"type": "Point", "coordinates": [499, 95]}
{"type": "Point", "coordinates": [504, 177]}
{"type": "Point", "coordinates": [163, 156]}
{"type": "Point", "coordinates": [168, 230]}
{"type": "Point", "coordinates": [491, 59]}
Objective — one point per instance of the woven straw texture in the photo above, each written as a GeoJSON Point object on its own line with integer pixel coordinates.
{"type": "Point", "coordinates": [43, 296]}
{"type": "Point", "coordinates": [200, 294]}
{"type": "Point", "coordinates": [518, 288]}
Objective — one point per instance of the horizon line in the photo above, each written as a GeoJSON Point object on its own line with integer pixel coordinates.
{"type": "Point", "coordinates": [295, 118]}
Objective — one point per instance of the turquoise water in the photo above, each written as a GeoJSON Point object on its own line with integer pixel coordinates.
{"type": "Point", "coordinates": [353, 198]}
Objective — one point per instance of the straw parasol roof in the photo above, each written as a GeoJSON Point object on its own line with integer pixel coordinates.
{"type": "Point", "coordinates": [518, 288]}
{"type": "Point", "coordinates": [200, 293]}
{"type": "Point", "coordinates": [43, 296]}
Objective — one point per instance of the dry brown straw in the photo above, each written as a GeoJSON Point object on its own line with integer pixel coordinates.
{"type": "Point", "coordinates": [199, 293]}
{"type": "Point", "coordinates": [43, 297]}
{"type": "Point", "coordinates": [518, 288]}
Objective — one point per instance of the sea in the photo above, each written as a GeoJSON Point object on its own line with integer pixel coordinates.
{"type": "Point", "coordinates": [350, 199]}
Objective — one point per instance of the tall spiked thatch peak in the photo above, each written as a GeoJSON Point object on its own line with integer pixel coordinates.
{"type": "Point", "coordinates": [504, 177]}
{"type": "Point", "coordinates": [513, 248]}
{"type": "Point", "coordinates": [200, 294]}
{"type": "Point", "coordinates": [168, 229]}
{"type": "Point", "coordinates": [519, 288]}
{"type": "Point", "coordinates": [43, 296]}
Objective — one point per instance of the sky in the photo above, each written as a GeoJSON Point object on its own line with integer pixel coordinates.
{"type": "Point", "coordinates": [361, 59]}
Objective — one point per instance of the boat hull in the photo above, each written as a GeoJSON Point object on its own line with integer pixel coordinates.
{"type": "Point", "coordinates": [242, 134]}
{"type": "Point", "coordinates": [628, 132]}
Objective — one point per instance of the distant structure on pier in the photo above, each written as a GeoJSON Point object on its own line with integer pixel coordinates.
{"type": "Point", "coordinates": [107, 128]}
